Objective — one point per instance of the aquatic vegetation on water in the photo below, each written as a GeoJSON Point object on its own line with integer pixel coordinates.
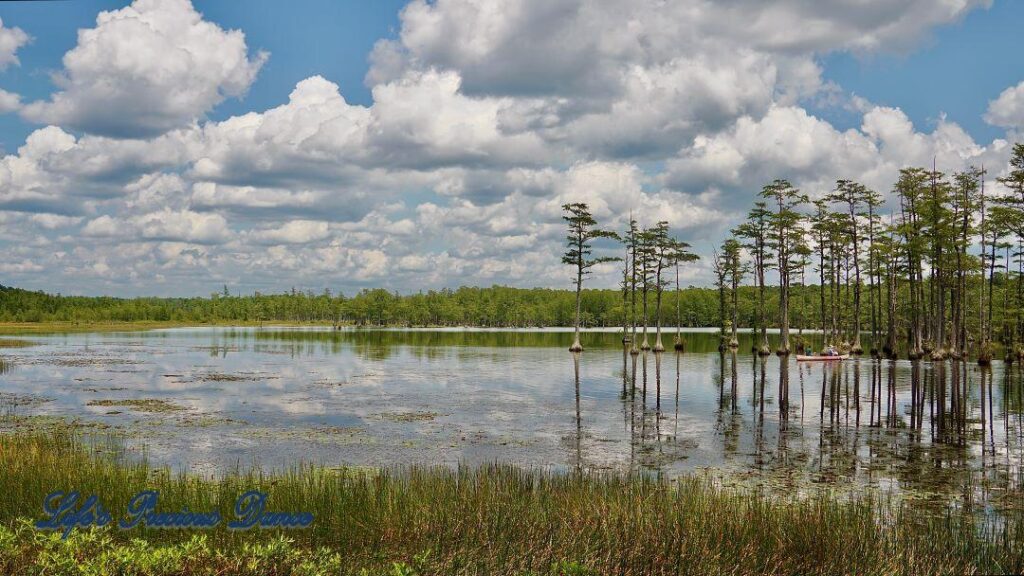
{"type": "Point", "coordinates": [418, 416]}
{"type": "Point", "coordinates": [239, 377]}
{"type": "Point", "coordinates": [142, 404]}
{"type": "Point", "coordinates": [14, 400]}
{"type": "Point", "coordinates": [488, 520]}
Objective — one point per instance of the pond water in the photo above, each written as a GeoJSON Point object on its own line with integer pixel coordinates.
{"type": "Point", "coordinates": [210, 399]}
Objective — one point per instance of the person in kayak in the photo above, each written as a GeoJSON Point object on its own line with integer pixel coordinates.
{"type": "Point", "coordinates": [831, 351]}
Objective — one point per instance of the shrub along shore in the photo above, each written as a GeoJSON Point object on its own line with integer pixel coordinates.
{"type": "Point", "coordinates": [489, 520]}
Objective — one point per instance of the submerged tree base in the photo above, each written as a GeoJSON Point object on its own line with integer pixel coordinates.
{"type": "Point", "coordinates": [985, 354]}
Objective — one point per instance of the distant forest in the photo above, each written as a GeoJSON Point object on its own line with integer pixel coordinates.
{"type": "Point", "coordinates": [497, 306]}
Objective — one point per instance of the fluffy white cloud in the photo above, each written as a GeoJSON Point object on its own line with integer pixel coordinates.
{"type": "Point", "coordinates": [162, 225]}
{"type": "Point", "coordinates": [11, 39]}
{"type": "Point", "coordinates": [790, 143]}
{"type": "Point", "coordinates": [9, 101]}
{"type": "Point", "coordinates": [146, 69]}
{"type": "Point", "coordinates": [420, 121]}
{"type": "Point", "coordinates": [24, 179]}
{"type": "Point", "coordinates": [55, 221]}
{"type": "Point", "coordinates": [213, 195]}
{"type": "Point", "coordinates": [1008, 109]}
{"type": "Point", "coordinates": [424, 119]}
{"type": "Point", "coordinates": [295, 232]}
{"type": "Point", "coordinates": [54, 171]}
{"type": "Point", "coordinates": [526, 47]}
{"type": "Point", "coordinates": [303, 139]}
{"type": "Point", "coordinates": [20, 267]}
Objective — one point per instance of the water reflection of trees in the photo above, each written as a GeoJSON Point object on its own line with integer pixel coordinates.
{"type": "Point", "coordinates": [919, 423]}
{"type": "Point", "coordinates": [653, 442]}
{"type": "Point", "coordinates": [926, 426]}
{"type": "Point", "coordinates": [383, 340]}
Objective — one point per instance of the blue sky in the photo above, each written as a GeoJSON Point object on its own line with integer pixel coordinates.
{"type": "Point", "coordinates": [347, 144]}
{"type": "Point", "coordinates": [957, 72]}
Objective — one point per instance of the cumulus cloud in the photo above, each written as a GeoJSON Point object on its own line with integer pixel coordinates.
{"type": "Point", "coordinates": [211, 195]}
{"type": "Point", "coordinates": [790, 143]}
{"type": "Point", "coordinates": [55, 221]}
{"type": "Point", "coordinates": [525, 47]}
{"type": "Point", "coordinates": [146, 69]}
{"type": "Point", "coordinates": [55, 171]}
{"type": "Point", "coordinates": [304, 138]}
{"type": "Point", "coordinates": [9, 101]}
{"type": "Point", "coordinates": [1008, 109]}
{"type": "Point", "coordinates": [24, 179]}
{"type": "Point", "coordinates": [295, 232]}
{"type": "Point", "coordinates": [163, 225]}
{"type": "Point", "coordinates": [419, 121]}
{"type": "Point", "coordinates": [11, 39]}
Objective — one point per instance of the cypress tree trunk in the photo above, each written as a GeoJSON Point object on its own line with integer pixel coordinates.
{"type": "Point", "coordinates": [632, 294]}
{"type": "Point", "coordinates": [576, 346]}
{"type": "Point", "coordinates": [625, 299]}
{"type": "Point", "coordinates": [658, 346]}
{"type": "Point", "coordinates": [821, 287]}
{"type": "Point", "coordinates": [985, 307]}
{"type": "Point", "coordinates": [856, 348]}
{"type": "Point", "coordinates": [890, 325]}
{"type": "Point", "coordinates": [872, 280]}
{"type": "Point", "coordinates": [644, 345]}
{"type": "Point", "coordinates": [765, 349]}
{"type": "Point", "coordinates": [733, 340]}
{"type": "Point", "coordinates": [783, 249]}
{"type": "Point", "coordinates": [679, 332]}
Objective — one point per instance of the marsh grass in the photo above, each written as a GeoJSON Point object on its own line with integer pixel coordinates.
{"type": "Point", "coordinates": [495, 519]}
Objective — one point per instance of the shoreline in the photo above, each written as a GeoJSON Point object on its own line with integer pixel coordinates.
{"type": "Point", "coordinates": [13, 328]}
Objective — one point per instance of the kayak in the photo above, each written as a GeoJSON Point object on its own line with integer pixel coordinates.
{"type": "Point", "coordinates": [802, 358]}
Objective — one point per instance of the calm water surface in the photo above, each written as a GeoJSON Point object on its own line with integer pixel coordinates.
{"type": "Point", "coordinates": [208, 399]}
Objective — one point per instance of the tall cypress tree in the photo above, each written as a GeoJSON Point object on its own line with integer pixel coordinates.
{"type": "Point", "coordinates": [582, 231]}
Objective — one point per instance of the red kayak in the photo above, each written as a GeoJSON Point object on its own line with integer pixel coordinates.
{"type": "Point", "coordinates": [801, 358]}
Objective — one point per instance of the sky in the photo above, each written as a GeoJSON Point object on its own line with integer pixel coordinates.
{"type": "Point", "coordinates": [169, 147]}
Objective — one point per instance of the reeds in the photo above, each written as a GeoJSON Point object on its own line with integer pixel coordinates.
{"type": "Point", "coordinates": [495, 519]}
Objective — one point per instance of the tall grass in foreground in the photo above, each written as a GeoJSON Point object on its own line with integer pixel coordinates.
{"type": "Point", "coordinates": [489, 520]}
